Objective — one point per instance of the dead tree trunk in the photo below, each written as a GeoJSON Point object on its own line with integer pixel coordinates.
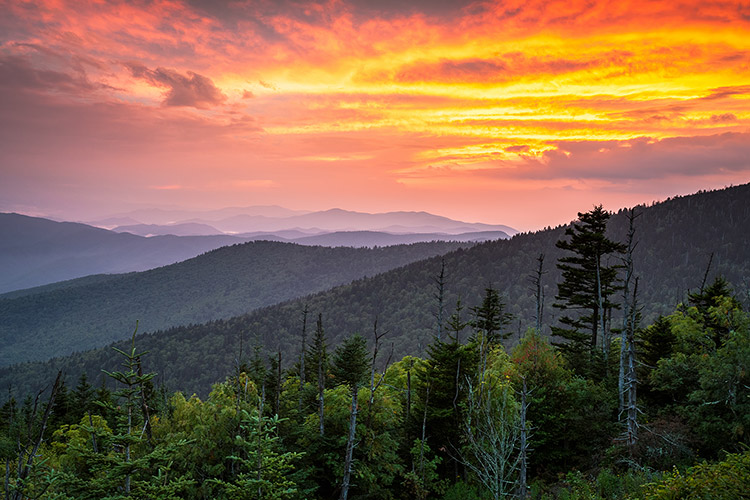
{"type": "Point", "coordinates": [261, 402]}
{"type": "Point", "coordinates": [373, 385]}
{"type": "Point", "coordinates": [26, 456]}
{"type": "Point", "coordinates": [632, 382]}
{"type": "Point", "coordinates": [277, 398]}
{"type": "Point", "coordinates": [524, 444]}
{"type": "Point", "coordinates": [626, 309]}
{"type": "Point", "coordinates": [350, 445]}
{"type": "Point", "coordinates": [302, 357]}
{"type": "Point", "coordinates": [439, 296]}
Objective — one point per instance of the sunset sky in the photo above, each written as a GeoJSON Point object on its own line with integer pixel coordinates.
{"type": "Point", "coordinates": [520, 112]}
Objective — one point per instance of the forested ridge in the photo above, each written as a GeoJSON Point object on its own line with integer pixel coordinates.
{"type": "Point", "coordinates": [632, 397]}
{"type": "Point", "coordinates": [94, 311]}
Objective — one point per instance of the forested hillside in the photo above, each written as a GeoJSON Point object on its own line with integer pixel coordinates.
{"type": "Point", "coordinates": [94, 311]}
{"type": "Point", "coordinates": [676, 240]}
{"type": "Point", "coordinates": [36, 251]}
{"type": "Point", "coordinates": [468, 420]}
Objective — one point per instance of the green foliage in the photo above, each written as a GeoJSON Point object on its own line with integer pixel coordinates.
{"type": "Point", "coordinates": [490, 317]}
{"type": "Point", "coordinates": [264, 469]}
{"type": "Point", "coordinates": [725, 480]}
{"type": "Point", "coordinates": [351, 362]}
{"type": "Point", "coordinates": [706, 377]}
{"type": "Point", "coordinates": [587, 284]}
{"type": "Point", "coordinates": [570, 417]}
{"type": "Point", "coordinates": [423, 479]}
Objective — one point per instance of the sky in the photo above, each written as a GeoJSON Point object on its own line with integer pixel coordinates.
{"type": "Point", "coordinates": [518, 112]}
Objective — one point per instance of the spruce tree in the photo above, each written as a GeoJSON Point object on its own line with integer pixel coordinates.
{"type": "Point", "coordinates": [351, 367]}
{"type": "Point", "coordinates": [317, 362]}
{"type": "Point", "coordinates": [588, 282]}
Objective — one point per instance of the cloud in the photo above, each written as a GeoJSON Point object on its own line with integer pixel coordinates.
{"type": "Point", "coordinates": [193, 90]}
{"type": "Point", "coordinates": [17, 72]}
{"type": "Point", "coordinates": [724, 118]}
{"type": "Point", "coordinates": [645, 158]}
{"type": "Point", "coordinates": [722, 92]}
{"type": "Point", "coordinates": [504, 67]}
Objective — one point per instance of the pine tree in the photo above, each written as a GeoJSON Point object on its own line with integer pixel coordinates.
{"type": "Point", "coordinates": [317, 360]}
{"type": "Point", "coordinates": [490, 317]}
{"type": "Point", "coordinates": [587, 284]}
{"type": "Point", "coordinates": [351, 367]}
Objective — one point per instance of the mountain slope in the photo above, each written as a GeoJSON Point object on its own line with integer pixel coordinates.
{"type": "Point", "coordinates": [219, 284]}
{"type": "Point", "coordinates": [35, 251]}
{"type": "Point", "coordinates": [676, 239]}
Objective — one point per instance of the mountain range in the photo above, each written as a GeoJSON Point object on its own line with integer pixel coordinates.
{"type": "Point", "coordinates": [273, 219]}
{"type": "Point", "coordinates": [36, 251]}
{"type": "Point", "coordinates": [682, 242]}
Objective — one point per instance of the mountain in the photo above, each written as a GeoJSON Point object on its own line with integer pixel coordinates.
{"type": "Point", "coordinates": [180, 229]}
{"type": "Point", "coordinates": [273, 219]}
{"type": "Point", "coordinates": [96, 310]}
{"type": "Point", "coordinates": [35, 251]}
{"type": "Point", "coordinates": [318, 236]}
{"type": "Point", "coordinates": [344, 220]}
{"type": "Point", "coordinates": [676, 238]}
{"type": "Point", "coordinates": [378, 238]}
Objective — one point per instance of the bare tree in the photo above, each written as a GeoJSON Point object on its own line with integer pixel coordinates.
{"type": "Point", "coordinates": [440, 296]}
{"type": "Point", "coordinates": [628, 266]}
{"type": "Point", "coordinates": [373, 384]}
{"type": "Point", "coordinates": [302, 352]}
{"type": "Point", "coordinates": [631, 379]}
{"type": "Point", "coordinates": [524, 444]}
{"type": "Point", "coordinates": [28, 451]}
{"type": "Point", "coordinates": [492, 434]}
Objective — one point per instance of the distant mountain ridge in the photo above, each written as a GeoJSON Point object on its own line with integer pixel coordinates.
{"type": "Point", "coordinates": [253, 219]}
{"type": "Point", "coordinates": [676, 240]}
{"type": "Point", "coordinates": [36, 251]}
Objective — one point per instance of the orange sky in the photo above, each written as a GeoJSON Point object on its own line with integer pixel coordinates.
{"type": "Point", "coordinates": [516, 112]}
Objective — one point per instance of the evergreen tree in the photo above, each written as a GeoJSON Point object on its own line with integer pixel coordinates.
{"type": "Point", "coordinates": [587, 284]}
{"type": "Point", "coordinates": [490, 317]}
{"type": "Point", "coordinates": [317, 361]}
{"type": "Point", "coordinates": [351, 367]}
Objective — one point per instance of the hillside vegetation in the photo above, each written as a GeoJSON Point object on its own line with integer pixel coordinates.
{"type": "Point", "coordinates": [94, 311]}
{"type": "Point", "coordinates": [676, 241]}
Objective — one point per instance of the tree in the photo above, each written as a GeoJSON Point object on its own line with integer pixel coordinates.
{"type": "Point", "coordinates": [317, 359]}
{"type": "Point", "coordinates": [351, 367]}
{"type": "Point", "coordinates": [440, 298]}
{"type": "Point", "coordinates": [490, 317]}
{"type": "Point", "coordinates": [627, 326]}
{"type": "Point", "coordinates": [491, 427]}
{"type": "Point", "coordinates": [29, 433]}
{"type": "Point", "coordinates": [536, 281]}
{"type": "Point", "coordinates": [586, 287]}
{"type": "Point", "coordinates": [265, 469]}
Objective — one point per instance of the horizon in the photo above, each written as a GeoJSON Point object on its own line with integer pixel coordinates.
{"type": "Point", "coordinates": [197, 212]}
{"type": "Point", "coordinates": [520, 114]}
